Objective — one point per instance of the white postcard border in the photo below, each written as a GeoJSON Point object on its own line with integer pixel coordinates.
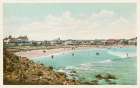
{"type": "Point", "coordinates": [69, 86]}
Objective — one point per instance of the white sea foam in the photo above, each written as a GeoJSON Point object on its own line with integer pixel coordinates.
{"type": "Point", "coordinates": [106, 61]}
{"type": "Point", "coordinates": [86, 67]}
{"type": "Point", "coordinates": [60, 70]}
{"type": "Point", "coordinates": [122, 54]}
{"type": "Point", "coordinates": [70, 67]}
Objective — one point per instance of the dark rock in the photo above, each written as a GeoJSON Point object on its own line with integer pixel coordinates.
{"type": "Point", "coordinates": [105, 76]}
{"type": "Point", "coordinates": [109, 76]}
{"type": "Point", "coordinates": [73, 71]}
{"type": "Point", "coordinates": [99, 76]}
{"type": "Point", "coordinates": [40, 73]}
{"type": "Point", "coordinates": [50, 67]}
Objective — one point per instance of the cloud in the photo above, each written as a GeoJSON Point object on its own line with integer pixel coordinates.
{"type": "Point", "coordinates": [102, 24]}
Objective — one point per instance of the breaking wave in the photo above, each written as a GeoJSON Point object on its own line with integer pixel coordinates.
{"type": "Point", "coordinates": [106, 61]}
{"type": "Point", "coordinates": [122, 54]}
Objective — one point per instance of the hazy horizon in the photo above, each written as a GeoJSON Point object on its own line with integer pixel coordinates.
{"type": "Point", "coordinates": [79, 21]}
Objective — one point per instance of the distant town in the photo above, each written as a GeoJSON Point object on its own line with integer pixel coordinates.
{"type": "Point", "coordinates": [11, 41]}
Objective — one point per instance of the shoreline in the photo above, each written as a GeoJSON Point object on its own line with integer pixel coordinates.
{"type": "Point", "coordinates": [57, 51]}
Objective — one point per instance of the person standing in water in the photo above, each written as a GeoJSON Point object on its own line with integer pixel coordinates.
{"type": "Point", "coordinates": [72, 54]}
{"type": "Point", "coordinates": [126, 54]}
{"type": "Point", "coordinates": [52, 56]}
{"type": "Point", "coordinates": [52, 62]}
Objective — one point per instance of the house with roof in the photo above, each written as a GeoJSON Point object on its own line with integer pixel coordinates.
{"type": "Point", "coordinates": [57, 41]}
{"type": "Point", "coordinates": [111, 41]}
{"type": "Point", "coordinates": [21, 40]}
{"type": "Point", "coordinates": [98, 42]}
{"type": "Point", "coordinates": [132, 41]}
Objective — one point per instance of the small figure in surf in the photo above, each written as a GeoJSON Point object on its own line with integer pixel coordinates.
{"type": "Point", "coordinates": [72, 54]}
{"type": "Point", "coordinates": [97, 53]}
{"type": "Point", "coordinates": [52, 56]}
{"type": "Point", "coordinates": [126, 54]}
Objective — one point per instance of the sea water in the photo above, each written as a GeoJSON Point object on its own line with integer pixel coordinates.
{"type": "Point", "coordinates": [87, 63]}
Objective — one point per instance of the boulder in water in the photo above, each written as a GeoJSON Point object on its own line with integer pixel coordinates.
{"type": "Point", "coordinates": [97, 53]}
{"type": "Point", "coordinates": [99, 76]}
{"type": "Point", "coordinates": [105, 76]}
{"type": "Point", "coordinates": [109, 76]}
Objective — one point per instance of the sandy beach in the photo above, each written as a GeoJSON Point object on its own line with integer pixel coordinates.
{"type": "Point", "coordinates": [48, 52]}
{"type": "Point", "coordinates": [37, 53]}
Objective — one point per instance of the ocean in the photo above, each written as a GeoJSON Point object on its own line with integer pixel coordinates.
{"type": "Point", "coordinates": [87, 63]}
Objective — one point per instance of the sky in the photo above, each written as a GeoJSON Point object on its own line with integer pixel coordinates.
{"type": "Point", "coordinates": [48, 21]}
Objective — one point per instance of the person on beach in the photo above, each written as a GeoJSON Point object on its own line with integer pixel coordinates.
{"type": "Point", "coordinates": [44, 51]}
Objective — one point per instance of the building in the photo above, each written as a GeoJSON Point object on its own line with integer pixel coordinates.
{"type": "Point", "coordinates": [84, 42]}
{"type": "Point", "coordinates": [132, 41]}
{"type": "Point", "coordinates": [98, 42]}
{"type": "Point", "coordinates": [9, 41]}
{"type": "Point", "coordinates": [46, 43]}
{"type": "Point", "coordinates": [123, 42]}
{"type": "Point", "coordinates": [111, 42]}
{"type": "Point", "coordinates": [56, 42]}
{"type": "Point", "coordinates": [68, 42]}
{"type": "Point", "coordinates": [72, 42]}
{"type": "Point", "coordinates": [36, 43]}
{"type": "Point", "coordinates": [21, 40]}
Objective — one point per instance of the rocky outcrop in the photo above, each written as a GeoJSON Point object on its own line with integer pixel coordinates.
{"type": "Point", "coordinates": [21, 70]}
